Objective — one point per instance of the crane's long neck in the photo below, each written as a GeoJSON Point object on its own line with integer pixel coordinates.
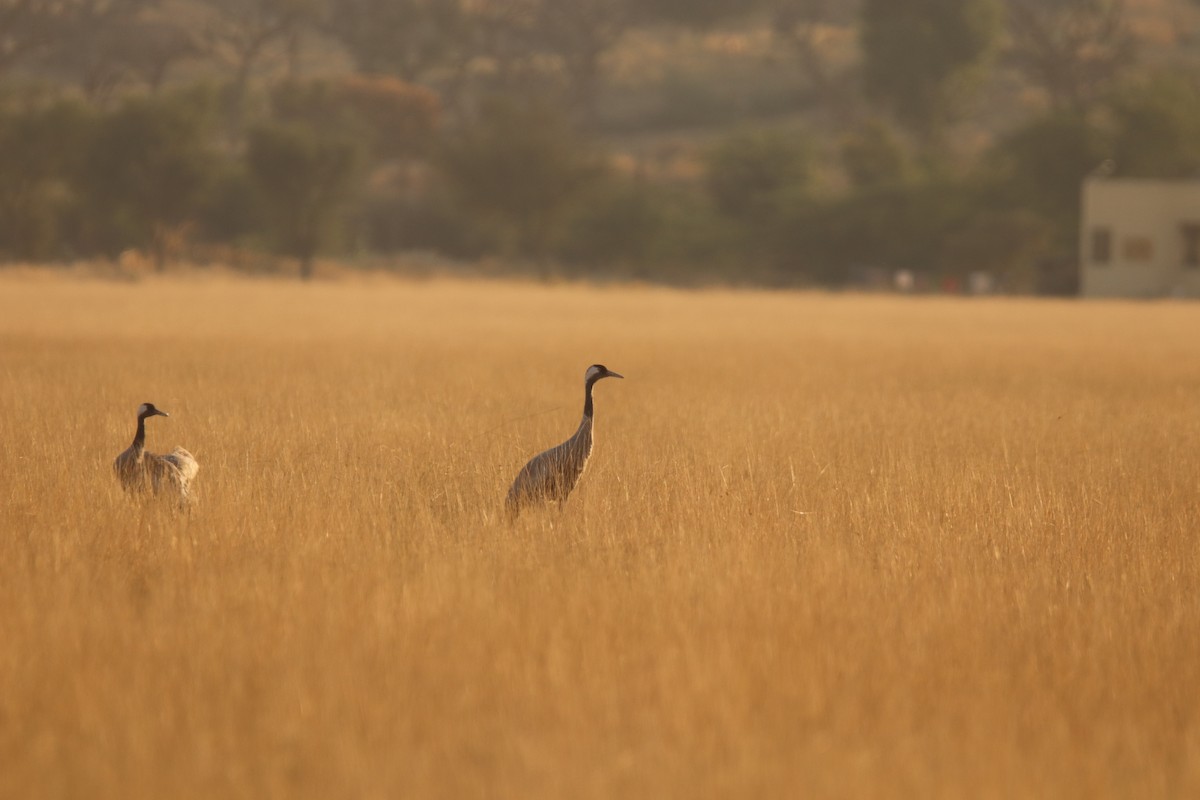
{"type": "Point", "coordinates": [583, 434]}
{"type": "Point", "coordinates": [139, 439]}
{"type": "Point", "coordinates": [587, 398]}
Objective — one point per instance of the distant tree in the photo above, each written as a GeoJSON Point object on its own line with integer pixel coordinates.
{"type": "Point", "coordinates": [305, 180]}
{"type": "Point", "coordinates": [28, 28]}
{"type": "Point", "coordinates": [315, 105]}
{"type": "Point", "coordinates": [696, 13]}
{"type": "Point", "coordinates": [1040, 168]}
{"type": "Point", "coordinates": [395, 118]}
{"type": "Point", "coordinates": [757, 181]}
{"type": "Point", "coordinates": [804, 25]}
{"type": "Point", "coordinates": [102, 44]}
{"type": "Point", "coordinates": [42, 151]}
{"type": "Point", "coordinates": [398, 37]}
{"type": "Point", "coordinates": [230, 212]}
{"type": "Point", "coordinates": [390, 122]}
{"type": "Point", "coordinates": [1156, 122]}
{"type": "Point", "coordinates": [1072, 49]}
{"type": "Point", "coordinates": [240, 34]}
{"type": "Point", "coordinates": [402, 116]}
{"type": "Point", "coordinates": [621, 222]}
{"type": "Point", "coordinates": [643, 228]}
{"type": "Point", "coordinates": [1037, 172]}
{"type": "Point", "coordinates": [920, 57]}
{"type": "Point", "coordinates": [518, 169]}
{"type": "Point", "coordinates": [1005, 242]}
{"type": "Point", "coordinates": [493, 41]}
{"type": "Point", "coordinates": [748, 172]}
{"type": "Point", "coordinates": [92, 45]}
{"type": "Point", "coordinates": [887, 227]}
{"type": "Point", "coordinates": [146, 171]}
{"type": "Point", "coordinates": [511, 46]}
{"type": "Point", "coordinates": [580, 33]}
{"type": "Point", "coordinates": [872, 156]}
{"type": "Point", "coordinates": [574, 37]}
{"type": "Point", "coordinates": [157, 38]}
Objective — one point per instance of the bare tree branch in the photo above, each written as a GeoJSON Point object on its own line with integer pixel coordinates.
{"type": "Point", "coordinates": [1072, 49]}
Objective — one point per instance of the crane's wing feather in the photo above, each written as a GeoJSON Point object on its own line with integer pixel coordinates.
{"type": "Point", "coordinates": [183, 461]}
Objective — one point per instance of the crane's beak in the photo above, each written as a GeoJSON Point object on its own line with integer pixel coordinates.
{"type": "Point", "coordinates": [611, 374]}
{"type": "Point", "coordinates": [160, 413]}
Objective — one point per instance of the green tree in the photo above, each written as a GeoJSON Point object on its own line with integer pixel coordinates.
{"type": "Point", "coordinates": [1042, 166]}
{"type": "Point", "coordinates": [1007, 243]}
{"type": "Point", "coordinates": [748, 172]}
{"type": "Point", "coordinates": [757, 180]}
{"type": "Point", "coordinates": [888, 227]}
{"type": "Point", "coordinates": [41, 153]}
{"type": "Point", "coordinates": [146, 171]}
{"type": "Point", "coordinates": [1157, 127]}
{"type": "Point", "coordinates": [921, 58]}
{"type": "Point", "coordinates": [872, 156]}
{"type": "Point", "coordinates": [1039, 170]}
{"type": "Point", "coordinates": [396, 118]}
{"type": "Point", "coordinates": [518, 169]}
{"type": "Point", "coordinates": [305, 180]}
{"type": "Point", "coordinates": [618, 224]}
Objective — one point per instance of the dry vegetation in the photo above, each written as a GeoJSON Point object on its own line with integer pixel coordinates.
{"type": "Point", "coordinates": [827, 546]}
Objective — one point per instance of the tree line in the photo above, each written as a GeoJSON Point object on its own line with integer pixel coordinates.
{"type": "Point", "coordinates": [474, 128]}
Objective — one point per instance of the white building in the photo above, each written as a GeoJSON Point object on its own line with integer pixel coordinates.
{"type": "Point", "coordinates": [1140, 238]}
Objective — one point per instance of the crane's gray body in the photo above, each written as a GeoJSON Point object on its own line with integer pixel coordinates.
{"type": "Point", "coordinates": [551, 475]}
{"type": "Point", "coordinates": [140, 471]}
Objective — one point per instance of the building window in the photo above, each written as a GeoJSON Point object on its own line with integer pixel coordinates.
{"type": "Point", "coordinates": [1191, 244]}
{"type": "Point", "coordinates": [1101, 245]}
{"type": "Point", "coordinates": [1137, 248]}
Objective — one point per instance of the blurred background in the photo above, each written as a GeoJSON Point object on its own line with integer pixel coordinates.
{"type": "Point", "coordinates": [912, 144]}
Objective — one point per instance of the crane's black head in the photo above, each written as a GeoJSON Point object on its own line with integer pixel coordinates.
{"type": "Point", "coordinates": [148, 410]}
{"type": "Point", "coordinates": [597, 371]}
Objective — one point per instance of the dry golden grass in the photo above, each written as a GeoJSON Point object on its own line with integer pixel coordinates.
{"type": "Point", "coordinates": [826, 547]}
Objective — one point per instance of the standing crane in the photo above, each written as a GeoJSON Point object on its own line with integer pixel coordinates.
{"type": "Point", "coordinates": [551, 475]}
{"type": "Point", "coordinates": [140, 471]}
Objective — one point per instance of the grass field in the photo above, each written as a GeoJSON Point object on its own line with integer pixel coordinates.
{"type": "Point", "coordinates": [827, 546]}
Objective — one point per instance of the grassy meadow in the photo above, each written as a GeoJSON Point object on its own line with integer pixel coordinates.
{"type": "Point", "coordinates": [827, 546]}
